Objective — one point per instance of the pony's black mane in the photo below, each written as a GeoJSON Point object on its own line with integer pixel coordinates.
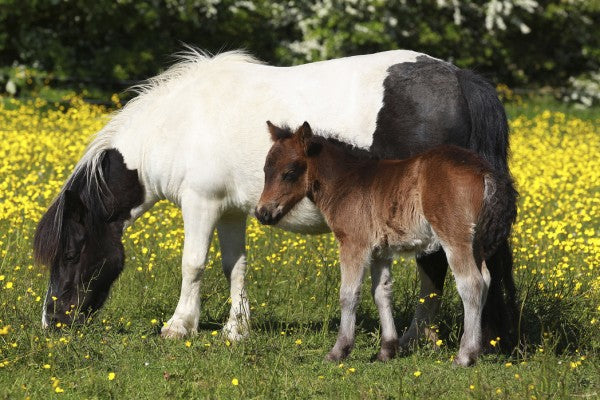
{"type": "Point", "coordinates": [105, 193]}
{"type": "Point", "coordinates": [50, 238]}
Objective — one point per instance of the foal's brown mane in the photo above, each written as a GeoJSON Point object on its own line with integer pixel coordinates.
{"type": "Point", "coordinates": [320, 138]}
{"type": "Point", "coordinates": [348, 149]}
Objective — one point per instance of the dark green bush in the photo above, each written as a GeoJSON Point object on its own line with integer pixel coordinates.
{"type": "Point", "coordinates": [518, 42]}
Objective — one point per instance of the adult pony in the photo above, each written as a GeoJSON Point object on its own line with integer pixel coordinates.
{"type": "Point", "coordinates": [194, 136]}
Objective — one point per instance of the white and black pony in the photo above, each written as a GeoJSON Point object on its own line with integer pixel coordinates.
{"type": "Point", "coordinates": [195, 135]}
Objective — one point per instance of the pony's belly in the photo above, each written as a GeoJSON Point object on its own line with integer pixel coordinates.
{"type": "Point", "coordinates": [304, 218]}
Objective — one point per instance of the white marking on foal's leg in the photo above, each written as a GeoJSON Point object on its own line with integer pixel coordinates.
{"type": "Point", "coordinates": [232, 232]}
{"type": "Point", "coordinates": [352, 274]}
{"type": "Point", "coordinates": [472, 286]}
{"type": "Point", "coordinates": [199, 218]}
{"type": "Point", "coordinates": [381, 289]}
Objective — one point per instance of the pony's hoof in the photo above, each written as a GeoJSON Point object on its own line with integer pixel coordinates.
{"type": "Point", "coordinates": [235, 332]}
{"type": "Point", "coordinates": [175, 330]}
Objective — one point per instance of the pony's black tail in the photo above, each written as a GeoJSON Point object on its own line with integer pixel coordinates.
{"type": "Point", "coordinates": [489, 138]}
{"type": "Point", "coordinates": [489, 127]}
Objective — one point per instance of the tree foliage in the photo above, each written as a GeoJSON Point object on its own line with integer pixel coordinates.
{"type": "Point", "coordinates": [518, 42]}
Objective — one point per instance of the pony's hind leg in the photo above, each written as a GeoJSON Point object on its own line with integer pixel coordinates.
{"type": "Point", "coordinates": [199, 218]}
{"type": "Point", "coordinates": [472, 285]}
{"type": "Point", "coordinates": [432, 272]}
{"type": "Point", "coordinates": [381, 289]}
{"type": "Point", "coordinates": [232, 235]}
{"type": "Point", "coordinates": [353, 265]}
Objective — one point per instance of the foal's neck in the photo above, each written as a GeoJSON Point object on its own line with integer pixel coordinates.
{"type": "Point", "coordinates": [338, 170]}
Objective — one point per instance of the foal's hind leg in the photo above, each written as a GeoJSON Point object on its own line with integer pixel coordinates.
{"type": "Point", "coordinates": [232, 235]}
{"type": "Point", "coordinates": [432, 272]}
{"type": "Point", "coordinates": [199, 218]}
{"type": "Point", "coordinates": [381, 280]}
{"type": "Point", "coordinates": [472, 285]}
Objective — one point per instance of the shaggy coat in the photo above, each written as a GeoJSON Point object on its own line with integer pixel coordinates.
{"type": "Point", "coordinates": [447, 197]}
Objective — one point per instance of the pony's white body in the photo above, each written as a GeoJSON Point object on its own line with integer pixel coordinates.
{"type": "Point", "coordinates": [197, 136]}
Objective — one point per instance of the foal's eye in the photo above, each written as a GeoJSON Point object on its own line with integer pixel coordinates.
{"type": "Point", "coordinates": [289, 176]}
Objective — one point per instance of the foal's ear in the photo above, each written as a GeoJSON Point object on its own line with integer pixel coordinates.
{"type": "Point", "coordinates": [276, 132]}
{"type": "Point", "coordinates": [305, 132]}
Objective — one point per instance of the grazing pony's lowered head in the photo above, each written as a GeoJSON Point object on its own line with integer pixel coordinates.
{"type": "Point", "coordinates": [286, 172]}
{"type": "Point", "coordinates": [79, 237]}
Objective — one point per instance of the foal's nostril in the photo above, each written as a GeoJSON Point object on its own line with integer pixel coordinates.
{"type": "Point", "coordinates": [264, 215]}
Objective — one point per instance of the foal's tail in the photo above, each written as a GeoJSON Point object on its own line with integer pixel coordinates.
{"type": "Point", "coordinates": [498, 214]}
{"type": "Point", "coordinates": [500, 313]}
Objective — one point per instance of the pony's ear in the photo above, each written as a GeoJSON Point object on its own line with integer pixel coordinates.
{"type": "Point", "coordinates": [277, 132]}
{"type": "Point", "coordinates": [74, 208]}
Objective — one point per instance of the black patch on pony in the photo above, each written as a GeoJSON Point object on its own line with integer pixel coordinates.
{"type": "Point", "coordinates": [422, 107]}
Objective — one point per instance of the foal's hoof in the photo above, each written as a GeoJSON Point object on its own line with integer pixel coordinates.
{"type": "Point", "coordinates": [464, 361]}
{"type": "Point", "coordinates": [388, 350]}
{"type": "Point", "coordinates": [385, 355]}
{"type": "Point", "coordinates": [336, 355]}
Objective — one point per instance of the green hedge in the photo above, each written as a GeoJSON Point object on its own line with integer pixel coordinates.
{"type": "Point", "coordinates": [518, 42]}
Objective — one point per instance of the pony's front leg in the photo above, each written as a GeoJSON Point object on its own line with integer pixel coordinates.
{"type": "Point", "coordinates": [199, 218]}
{"type": "Point", "coordinates": [432, 273]}
{"type": "Point", "coordinates": [353, 265]}
{"type": "Point", "coordinates": [232, 235]}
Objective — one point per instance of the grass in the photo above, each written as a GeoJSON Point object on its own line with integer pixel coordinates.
{"type": "Point", "coordinates": [292, 285]}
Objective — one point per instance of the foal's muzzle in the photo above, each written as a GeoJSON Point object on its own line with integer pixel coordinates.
{"type": "Point", "coordinates": [268, 215]}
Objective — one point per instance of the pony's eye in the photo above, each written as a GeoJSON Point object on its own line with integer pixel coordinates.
{"type": "Point", "coordinates": [71, 256]}
{"type": "Point", "coordinates": [289, 176]}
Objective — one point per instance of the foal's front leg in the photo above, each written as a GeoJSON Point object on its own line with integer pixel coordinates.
{"type": "Point", "coordinates": [353, 264]}
{"type": "Point", "coordinates": [381, 281]}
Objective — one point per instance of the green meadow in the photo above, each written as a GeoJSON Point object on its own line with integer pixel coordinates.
{"type": "Point", "coordinates": [292, 282]}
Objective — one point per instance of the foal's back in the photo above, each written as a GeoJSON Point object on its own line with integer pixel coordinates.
{"type": "Point", "coordinates": [435, 195]}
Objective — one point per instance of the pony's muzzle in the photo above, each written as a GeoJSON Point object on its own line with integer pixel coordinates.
{"type": "Point", "coordinates": [268, 215]}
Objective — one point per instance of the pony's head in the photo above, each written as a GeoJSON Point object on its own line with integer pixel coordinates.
{"type": "Point", "coordinates": [286, 177]}
{"type": "Point", "coordinates": [79, 238]}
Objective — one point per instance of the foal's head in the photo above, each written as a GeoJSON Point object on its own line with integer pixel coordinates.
{"type": "Point", "coordinates": [286, 172]}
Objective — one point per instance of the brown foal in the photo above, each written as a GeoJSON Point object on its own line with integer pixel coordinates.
{"type": "Point", "coordinates": [447, 197]}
